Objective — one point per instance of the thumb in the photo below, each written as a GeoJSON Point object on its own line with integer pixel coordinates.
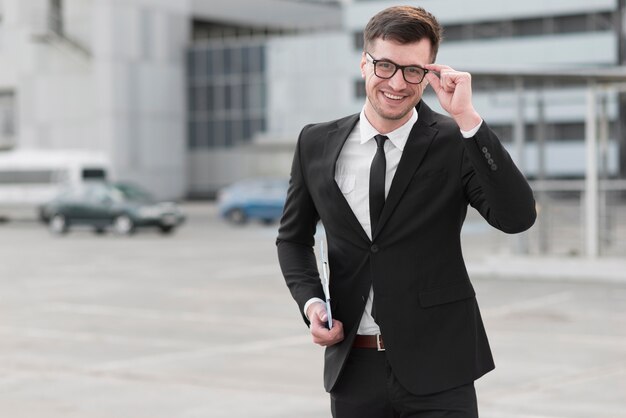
{"type": "Point", "coordinates": [323, 315]}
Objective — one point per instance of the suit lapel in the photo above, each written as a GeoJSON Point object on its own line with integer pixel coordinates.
{"type": "Point", "coordinates": [415, 149]}
{"type": "Point", "coordinates": [335, 141]}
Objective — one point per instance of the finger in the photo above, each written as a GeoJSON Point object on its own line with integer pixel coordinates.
{"type": "Point", "coordinates": [448, 80]}
{"type": "Point", "coordinates": [325, 337]}
{"type": "Point", "coordinates": [336, 333]}
{"type": "Point", "coordinates": [323, 316]}
{"type": "Point", "coordinates": [434, 81]}
{"type": "Point", "coordinates": [438, 67]}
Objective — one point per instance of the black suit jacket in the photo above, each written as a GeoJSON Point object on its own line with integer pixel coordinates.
{"type": "Point", "coordinates": [426, 306]}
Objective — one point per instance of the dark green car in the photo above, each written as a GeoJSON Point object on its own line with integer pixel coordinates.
{"type": "Point", "coordinates": [120, 207]}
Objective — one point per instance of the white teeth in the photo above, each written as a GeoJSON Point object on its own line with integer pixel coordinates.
{"type": "Point", "coordinates": [391, 96]}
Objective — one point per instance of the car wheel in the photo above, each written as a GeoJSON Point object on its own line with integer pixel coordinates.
{"type": "Point", "coordinates": [58, 224]}
{"type": "Point", "coordinates": [166, 229]}
{"type": "Point", "coordinates": [123, 225]}
{"type": "Point", "coordinates": [237, 216]}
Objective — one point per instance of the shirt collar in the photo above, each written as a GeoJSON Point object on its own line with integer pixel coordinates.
{"type": "Point", "coordinates": [398, 137]}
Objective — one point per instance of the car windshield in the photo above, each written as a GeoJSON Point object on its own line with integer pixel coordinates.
{"type": "Point", "coordinates": [134, 192]}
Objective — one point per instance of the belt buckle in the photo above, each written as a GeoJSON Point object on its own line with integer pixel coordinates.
{"type": "Point", "coordinates": [379, 343]}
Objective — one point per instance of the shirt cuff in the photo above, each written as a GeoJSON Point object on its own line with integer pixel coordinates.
{"type": "Point", "coordinates": [471, 132]}
{"type": "Point", "coordinates": [309, 303]}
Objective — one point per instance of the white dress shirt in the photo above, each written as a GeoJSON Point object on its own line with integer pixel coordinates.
{"type": "Point", "coordinates": [352, 174]}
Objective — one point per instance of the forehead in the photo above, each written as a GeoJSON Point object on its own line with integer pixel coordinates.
{"type": "Point", "coordinates": [408, 53]}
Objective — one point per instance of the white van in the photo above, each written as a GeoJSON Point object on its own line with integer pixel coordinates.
{"type": "Point", "coordinates": [29, 178]}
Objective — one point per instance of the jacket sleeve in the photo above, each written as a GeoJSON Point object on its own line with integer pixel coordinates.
{"type": "Point", "coordinates": [296, 233]}
{"type": "Point", "coordinates": [494, 185]}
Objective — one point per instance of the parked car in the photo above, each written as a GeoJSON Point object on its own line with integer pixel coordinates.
{"type": "Point", "coordinates": [256, 198]}
{"type": "Point", "coordinates": [122, 207]}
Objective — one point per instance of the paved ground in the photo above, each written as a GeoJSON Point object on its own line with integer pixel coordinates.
{"type": "Point", "coordinates": [200, 324]}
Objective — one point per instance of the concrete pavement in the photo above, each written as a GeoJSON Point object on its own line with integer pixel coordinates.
{"type": "Point", "coordinates": [200, 324]}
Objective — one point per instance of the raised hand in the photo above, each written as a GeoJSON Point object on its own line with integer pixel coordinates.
{"type": "Point", "coordinates": [454, 91]}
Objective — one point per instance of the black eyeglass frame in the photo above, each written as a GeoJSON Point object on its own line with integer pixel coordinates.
{"type": "Point", "coordinates": [398, 67]}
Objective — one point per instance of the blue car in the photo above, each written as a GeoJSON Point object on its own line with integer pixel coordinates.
{"type": "Point", "coordinates": [253, 199]}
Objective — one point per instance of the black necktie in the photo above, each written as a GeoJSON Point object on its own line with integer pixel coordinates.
{"type": "Point", "coordinates": [377, 182]}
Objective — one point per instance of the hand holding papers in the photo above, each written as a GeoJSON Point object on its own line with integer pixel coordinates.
{"type": "Point", "coordinates": [324, 262]}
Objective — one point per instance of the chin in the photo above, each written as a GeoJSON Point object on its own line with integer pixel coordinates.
{"type": "Point", "coordinates": [396, 115]}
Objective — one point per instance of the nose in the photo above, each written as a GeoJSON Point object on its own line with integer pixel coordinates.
{"type": "Point", "coordinates": [397, 82]}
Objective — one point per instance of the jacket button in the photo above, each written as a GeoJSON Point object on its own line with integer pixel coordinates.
{"type": "Point", "coordinates": [494, 167]}
{"type": "Point", "coordinates": [490, 161]}
{"type": "Point", "coordinates": [374, 248]}
{"type": "Point", "coordinates": [485, 150]}
{"type": "Point", "coordinates": [487, 155]}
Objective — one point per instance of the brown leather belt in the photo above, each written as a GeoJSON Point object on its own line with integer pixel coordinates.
{"type": "Point", "coordinates": [369, 341]}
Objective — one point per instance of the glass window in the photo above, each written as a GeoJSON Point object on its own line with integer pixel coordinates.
{"type": "Point", "coordinates": [231, 133]}
{"type": "Point", "coordinates": [528, 27]}
{"type": "Point", "coordinates": [245, 95]}
{"type": "Point", "coordinates": [357, 40]}
{"type": "Point", "coordinates": [569, 131]}
{"type": "Point", "coordinates": [454, 33]}
{"type": "Point", "coordinates": [236, 96]}
{"type": "Point", "coordinates": [191, 134]}
{"type": "Point", "coordinates": [571, 24]}
{"type": "Point", "coordinates": [199, 60]}
{"type": "Point", "coordinates": [603, 21]}
{"type": "Point", "coordinates": [232, 92]}
{"type": "Point", "coordinates": [209, 98]}
{"type": "Point", "coordinates": [217, 61]}
{"type": "Point", "coordinates": [218, 132]}
{"type": "Point", "coordinates": [218, 98]}
{"type": "Point", "coordinates": [191, 99]}
{"type": "Point", "coordinates": [228, 102]}
{"type": "Point", "coordinates": [489, 30]}
{"type": "Point", "coordinates": [246, 133]}
{"type": "Point", "coordinates": [189, 58]}
{"type": "Point", "coordinates": [245, 59]}
{"type": "Point", "coordinates": [256, 95]}
{"type": "Point", "coordinates": [227, 61]}
{"type": "Point", "coordinates": [94, 174]}
{"type": "Point", "coordinates": [210, 133]}
{"type": "Point", "coordinates": [200, 100]}
{"type": "Point", "coordinates": [261, 58]}
{"type": "Point", "coordinates": [209, 63]}
{"type": "Point", "coordinates": [201, 133]}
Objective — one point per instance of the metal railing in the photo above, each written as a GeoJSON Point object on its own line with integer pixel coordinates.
{"type": "Point", "coordinates": [561, 222]}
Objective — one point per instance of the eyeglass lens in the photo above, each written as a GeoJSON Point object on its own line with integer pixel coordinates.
{"type": "Point", "coordinates": [385, 69]}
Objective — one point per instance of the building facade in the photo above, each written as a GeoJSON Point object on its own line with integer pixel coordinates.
{"type": "Point", "coordinates": [187, 96]}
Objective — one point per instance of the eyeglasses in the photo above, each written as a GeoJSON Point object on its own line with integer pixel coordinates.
{"type": "Point", "coordinates": [386, 69]}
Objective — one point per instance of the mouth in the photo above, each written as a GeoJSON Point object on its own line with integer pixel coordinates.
{"type": "Point", "coordinates": [394, 97]}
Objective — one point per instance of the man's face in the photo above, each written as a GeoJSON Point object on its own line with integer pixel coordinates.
{"type": "Point", "coordinates": [389, 101]}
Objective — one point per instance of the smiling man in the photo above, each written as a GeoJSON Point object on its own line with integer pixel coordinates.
{"type": "Point", "coordinates": [391, 186]}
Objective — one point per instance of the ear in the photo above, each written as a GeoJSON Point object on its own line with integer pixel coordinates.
{"type": "Point", "coordinates": [363, 64]}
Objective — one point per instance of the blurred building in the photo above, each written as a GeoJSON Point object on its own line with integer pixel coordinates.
{"type": "Point", "coordinates": [190, 95]}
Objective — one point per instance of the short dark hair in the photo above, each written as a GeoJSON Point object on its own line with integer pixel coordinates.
{"type": "Point", "coordinates": [404, 24]}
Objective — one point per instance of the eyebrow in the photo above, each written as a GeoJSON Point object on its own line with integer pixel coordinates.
{"type": "Point", "coordinates": [385, 59]}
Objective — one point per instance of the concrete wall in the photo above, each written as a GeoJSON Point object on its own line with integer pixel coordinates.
{"type": "Point", "coordinates": [139, 60]}
{"type": "Point", "coordinates": [117, 85]}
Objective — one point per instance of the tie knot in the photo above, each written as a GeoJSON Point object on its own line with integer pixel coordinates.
{"type": "Point", "coordinates": [380, 140]}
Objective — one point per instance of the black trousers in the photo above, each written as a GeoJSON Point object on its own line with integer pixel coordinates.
{"type": "Point", "coordinates": [368, 388]}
